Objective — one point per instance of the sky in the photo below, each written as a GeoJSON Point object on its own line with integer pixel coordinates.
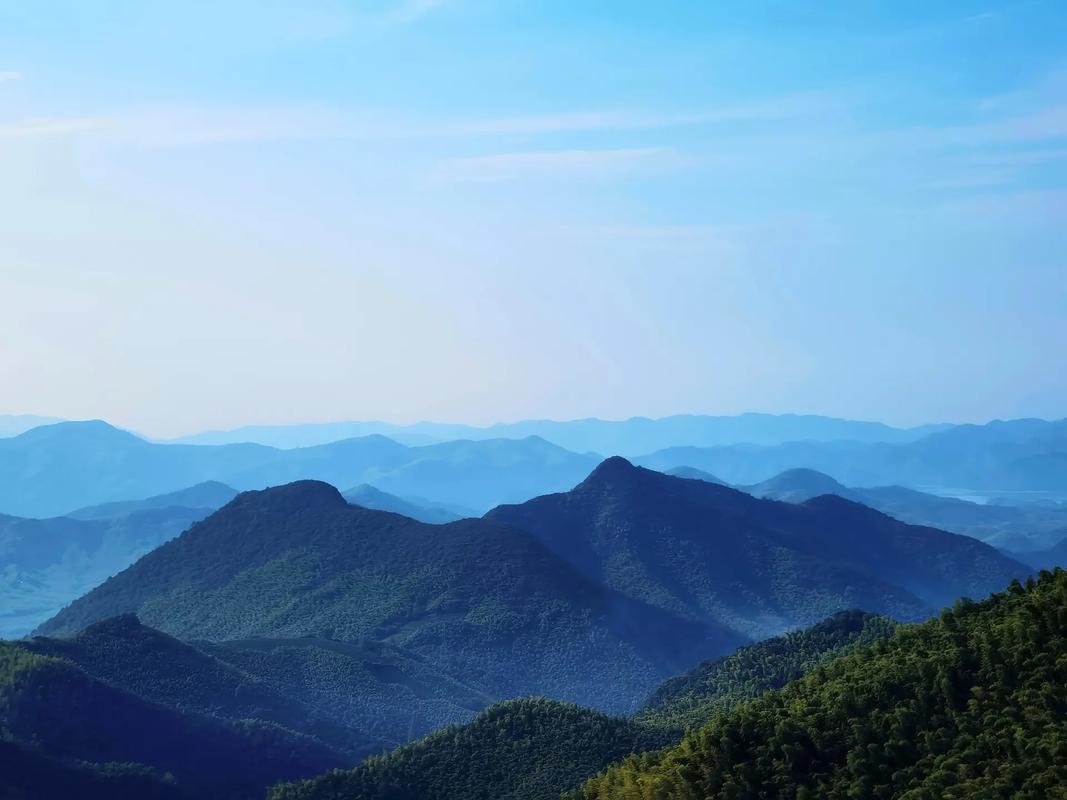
{"type": "Point", "coordinates": [227, 212]}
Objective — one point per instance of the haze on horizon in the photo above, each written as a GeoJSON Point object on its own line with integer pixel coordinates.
{"type": "Point", "coordinates": [214, 215]}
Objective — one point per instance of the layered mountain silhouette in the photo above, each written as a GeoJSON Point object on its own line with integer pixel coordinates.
{"type": "Point", "coordinates": [1008, 527]}
{"type": "Point", "coordinates": [535, 749]}
{"type": "Point", "coordinates": [702, 551]}
{"type": "Point", "coordinates": [370, 497]}
{"type": "Point", "coordinates": [474, 598]}
{"type": "Point", "coordinates": [1049, 557]}
{"type": "Point", "coordinates": [49, 562]}
{"type": "Point", "coordinates": [631, 437]}
{"type": "Point", "coordinates": [209, 495]}
{"type": "Point", "coordinates": [357, 698]}
{"type": "Point", "coordinates": [1001, 456]}
{"type": "Point", "coordinates": [56, 469]}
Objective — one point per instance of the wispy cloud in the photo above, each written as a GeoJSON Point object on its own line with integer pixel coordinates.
{"type": "Point", "coordinates": [10, 76]}
{"type": "Point", "coordinates": [777, 108]}
{"type": "Point", "coordinates": [177, 126]}
{"type": "Point", "coordinates": [50, 126]}
{"type": "Point", "coordinates": [551, 164]}
{"type": "Point", "coordinates": [184, 126]}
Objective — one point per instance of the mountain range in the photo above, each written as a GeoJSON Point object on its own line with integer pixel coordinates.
{"type": "Point", "coordinates": [474, 598]}
{"type": "Point", "coordinates": [120, 677]}
{"type": "Point", "coordinates": [535, 748]}
{"type": "Point", "coordinates": [659, 571]}
{"type": "Point", "coordinates": [1027, 526]}
{"type": "Point", "coordinates": [630, 437]}
{"type": "Point", "coordinates": [56, 469]}
{"type": "Point", "coordinates": [423, 510]}
{"type": "Point", "coordinates": [53, 470]}
{"type": "Point", "coordinates": [702, 550]}
{"type": "Point", "coordinates": [342, 631]}
{"type": "Point", "coordinates": [1001, 457]}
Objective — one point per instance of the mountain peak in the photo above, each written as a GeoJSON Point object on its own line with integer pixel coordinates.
{"type": "Point", "coordinates": [92, 430]}
{"type": "Point", "coordinates": [120, 626]}
{"type": "Point", "coordinates": [806, 476]}
{"type": "Point", "coordinates": [799, 484]}
{"type": "Point", "coordinates": [296, 496]}
{"type": "Point", "coordinates": [611, 469]}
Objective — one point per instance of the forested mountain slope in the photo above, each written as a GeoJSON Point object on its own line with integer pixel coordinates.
{"type": "Point", "coordinates": [763, 567]}
{"type": "Point", "coordinates": [534, 749]}
{"type": "Point", "coordinates": [971, 704]}
{"type": "Point", "coordinates": [713, 687]}
{"type": "Point", "coordinates": [473, 598]}
{"type": "Point", "coordinates": [530, 749]}
{"type": "Point", "coordinates": [51, 708]}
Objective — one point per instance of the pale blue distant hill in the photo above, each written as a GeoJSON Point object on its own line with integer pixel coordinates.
{"type": "Point", "coordinates": [1002, 456]}
{"type": "Point", "coordinates": [623, 437]}
{"type": "Point", "coordinates": [1007, 527]}
{"type": "Point", "coordinates": [368, 496]}
{"type": "Point", "coordinates": [14, 424]}
{"type": "Point", "coordinates": [47, 563]}
{"type": "Point", "coordinates": [57, 469]}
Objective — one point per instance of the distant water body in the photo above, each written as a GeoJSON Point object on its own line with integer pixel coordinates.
{"type": "Point", "coordinates": [1004, 497]}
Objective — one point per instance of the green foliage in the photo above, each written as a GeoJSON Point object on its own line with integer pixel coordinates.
{"type": "Point", "coordinates": [713, 687]}
{"type": "Point", "coordinates": [972, 704]}
{"type": "Point", "coordinates": [530, 749]}
{"type": "Point", "coordinates": [553, 747]}
{"type": "Point", "coordinates": [360, 692]}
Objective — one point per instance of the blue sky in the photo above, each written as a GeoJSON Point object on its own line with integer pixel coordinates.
{"type": "Point", "coordinates": [215, 213]}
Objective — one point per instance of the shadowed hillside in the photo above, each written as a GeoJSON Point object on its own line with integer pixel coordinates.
{"type": "Point", "coordinates": [474, 598]}
{"type": "Point", "coordinates": [702, 550]}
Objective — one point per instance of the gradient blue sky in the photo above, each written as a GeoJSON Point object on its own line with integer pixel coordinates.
{"type": "Point", "coordinates": [215, 213]}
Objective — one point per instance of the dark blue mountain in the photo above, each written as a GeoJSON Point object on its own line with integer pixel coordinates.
{"type": "Point", "coordinates": [473, 598]}
{"type": "Point", "coordinates": [706, 551]}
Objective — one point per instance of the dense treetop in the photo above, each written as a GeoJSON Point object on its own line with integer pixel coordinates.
{"type": "Point", "coordinates": [691, 699]}
{"type": "Point", "coordinates": [972, 704]}
{"type": "Point", "coordinates": [530, 749]}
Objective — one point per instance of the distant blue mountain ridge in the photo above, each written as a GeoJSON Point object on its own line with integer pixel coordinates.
{"type": "Point", "coordinates": [53, 470]}
{"type": "Point", "coordinates": [630, 437]}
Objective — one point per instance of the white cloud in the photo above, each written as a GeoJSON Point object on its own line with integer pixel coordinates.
{"type": "Point", "coordinates": [50, 126]}
{"type": "Point", "coordinates": [10, 76]}
{"type": "Point", "coordinates": [176, 126]}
